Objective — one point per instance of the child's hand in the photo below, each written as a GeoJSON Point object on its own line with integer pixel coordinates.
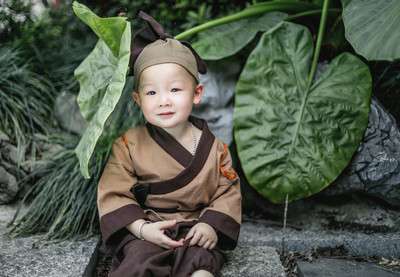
{"type": "Point", "coordinates": [154, 232]}
{"type": "Point", "coordinates": [203, 235]}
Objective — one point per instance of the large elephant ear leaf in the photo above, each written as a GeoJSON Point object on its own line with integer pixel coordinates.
{"type": "Point", "coordinates": [102, 77]}
{"type": "Point", "coordinates": [292, 139]}
{"type": "Point", "coordinates": [373, 28]}
{"type": "Point", "coordinates": [226, 40]}
{"type": "Point", "coordinates": [109, 30]}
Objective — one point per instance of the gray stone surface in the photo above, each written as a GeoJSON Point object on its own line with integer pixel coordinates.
{"type": "Point", "coordinates": [14, 168]}
{"type": "Point", "coordinates": [216, 106]}
{"type": "Point", "coordinates": [262, 261]}
{"type": "Point", "coordinates": [8, 186]}
{"type": "Point", "coordinates": [375, 167]}
{"type": "Point", "coordinates": [9, 152]}
{"type": "Point", "coordinates": [31, 256]}
{"type": "Point", "coordinates": [306, 241]}
{"type": "Point", "coordinates": [3, 137]}
{"type": "Point", "coordinates": [68, 114]}
{"type": "Point", "coordinates": [342, 268]}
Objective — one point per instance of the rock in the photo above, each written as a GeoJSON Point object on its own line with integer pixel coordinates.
{"type": "Point", "coordinates": [307, 240]}
{"type": "Point", "coordinates": [30, 256]}
{"type": "Point", "coordinates": [343, 268]}
{"type": "Point", "coordinates": [68, 114]}
{"type": "Point", "coordinates": [10, 153]}
{"type": "Point", "coordinates": [13, 169]}
{"type": "Point", "coordinates": [262, 261]}
{"type": "Point", "coordinates": [8, 186]}
{"type": "Point", "coordinates": [3, 137]}
{"type": "Point", "coordinates": [375, 168]}
{"type": "Point", "coordinates": [216, 106]}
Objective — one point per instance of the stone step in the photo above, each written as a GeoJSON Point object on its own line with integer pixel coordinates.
{"type": "Point", "coordinates": [308, 240]}
{"type": "Point", "coordinates": [256, 254]}
{"type": "Point", "coordinates": [31, 256]}
{"type": "Point", "coordinates": [343, 268]}
{"type": "Point", "coordinates": [262, 261]}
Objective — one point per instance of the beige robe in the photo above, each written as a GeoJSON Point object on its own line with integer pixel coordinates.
{"type": "Point", "coordinates": [150, 175]}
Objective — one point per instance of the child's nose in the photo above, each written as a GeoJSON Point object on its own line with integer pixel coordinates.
{"type": "Point", "coordinates": [165, 100]}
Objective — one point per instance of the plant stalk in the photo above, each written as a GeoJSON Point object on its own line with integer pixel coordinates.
{"type": "Point", "coordinates": [256, 9]}
{"type": "Point", "coordinates": [308, 13]}
{"type": "Point", "coordinates": [319, 41]}
{"type": "Point", "coordinates": [284, 224]}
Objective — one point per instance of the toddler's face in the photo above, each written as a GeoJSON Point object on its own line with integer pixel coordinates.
{"type": "Point", "coordinates": [166, 95]}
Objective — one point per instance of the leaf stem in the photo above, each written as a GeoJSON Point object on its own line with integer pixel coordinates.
{"type": "Point", "coordinates": [319, 41]}
{"type": "Point", "coordinates": [256, 9]}
{"type": "Point", "coordinates": [284, 224]}
{"type": "Point", "coordinates": [308, 13]}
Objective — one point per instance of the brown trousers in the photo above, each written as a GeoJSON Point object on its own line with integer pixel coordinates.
{"type": "Point", "coordinates": [142, 258]}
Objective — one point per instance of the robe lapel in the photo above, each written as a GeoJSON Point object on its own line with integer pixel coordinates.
{"type": "Point", "coordinates": [192, 164]}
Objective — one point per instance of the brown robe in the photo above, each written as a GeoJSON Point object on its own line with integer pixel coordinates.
{"type": "Point", "coordinates": [150, 175]}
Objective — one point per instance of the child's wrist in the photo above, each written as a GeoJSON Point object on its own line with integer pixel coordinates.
{"type": "Point", "coordinates": [141, 227]}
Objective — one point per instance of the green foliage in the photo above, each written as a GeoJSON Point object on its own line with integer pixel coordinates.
{"type": "Point", "coordinates": [109, 30]}
{"type": "Point", "coordinates": [14, 17]}
{"type": "Point", "coordinates": [292, 139]}
{"type": "Point", "coordinates": [226, 40]}
{"type": "Point", "coordinates": [101, 89]}
{"type": "Point", "coordinates": [372, 28]}
{"type": "Point", "coordinates": [54, 43]}
{"type": "Point", "coordinates": [62, 202]}
{"type": "Point", "coordinates": [202, 15]}
{"type": "Point", "coordinates": [172, 15]}
{"type": "Point", "coordinates": [54, 28]}
{"type": "Point", "coordinates": [26, 101]}
{"type": "Point", "coordinates": [386, 85]}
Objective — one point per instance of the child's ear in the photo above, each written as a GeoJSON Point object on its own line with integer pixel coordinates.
{"type": "Point", "coordinates": [136, 97]}
{"type": "Point", "coordinates": [198, 93]}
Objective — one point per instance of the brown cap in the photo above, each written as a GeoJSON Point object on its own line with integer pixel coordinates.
{"type": "Point", "coordinates": [152, 46]}
{"type": "Point", "coordinates": [165, 51]}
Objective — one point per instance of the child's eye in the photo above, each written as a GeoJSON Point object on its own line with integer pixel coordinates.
{"type": "Point", "coordinates": [175, 90]}
{"type": "Point", "coordinates": [151, 92]}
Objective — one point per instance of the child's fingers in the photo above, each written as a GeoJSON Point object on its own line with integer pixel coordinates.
{"type": "Point", "coordinates": [168, 242]}
{"type": "Point", "coordinates": [196, 238]}
{"type": "Point", "coordinates": [166, 224]}
{"type": "Point", "coordinates": [207, 244]}
{"type": "Point", "coordinates": [212, 246]}
{"type": "Point", "coordinates": [190, 234]}
{"type": "Point", "coordinates": [203, 241]}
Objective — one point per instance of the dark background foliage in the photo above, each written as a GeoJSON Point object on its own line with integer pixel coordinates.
{"type": "Point", "coordinates": [51, 46]}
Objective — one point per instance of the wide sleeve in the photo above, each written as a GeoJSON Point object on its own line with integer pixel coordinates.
{"type": "Point", "coordinates": [116, 203]}
{"type": "Point", "coordinates": [224, 212]}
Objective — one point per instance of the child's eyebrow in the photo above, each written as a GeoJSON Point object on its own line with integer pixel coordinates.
{"type": "Point", "coordinates": [143, 86]}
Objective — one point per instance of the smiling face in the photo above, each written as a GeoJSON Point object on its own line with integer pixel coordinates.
{"type": "Point", "coordinates": [166, 94]}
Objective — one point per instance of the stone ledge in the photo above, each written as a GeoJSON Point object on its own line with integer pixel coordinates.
{"type": "Point", "coordinates": [29, 256]}
{"type": "Point", "coordinates": [305, 241]}
{"type": "Point", "coordinates": [256, 261]}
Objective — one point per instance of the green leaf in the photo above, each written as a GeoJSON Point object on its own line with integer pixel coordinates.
{"type": "Point", "coordinates": [226, 40]}
{"type": "Point", "coordinates": [109, 30]}
{"type": "Point", "coordinates": [373, 27]}
{"type": "Point", "coordinates": [102, 78]}
{"type": "Point", "coordinates": [292, 139]}
{"type": "Point", "coordinates": [94, 75]}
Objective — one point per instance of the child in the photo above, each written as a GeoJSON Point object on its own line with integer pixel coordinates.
{"type": "Point", "coordinates": [168, 195]}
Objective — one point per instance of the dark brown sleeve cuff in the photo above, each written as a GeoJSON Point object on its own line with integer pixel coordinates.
{"type": "Point", "coordinates": [112, 223]}
{"type": "Point", "coordinates": [228, 229]}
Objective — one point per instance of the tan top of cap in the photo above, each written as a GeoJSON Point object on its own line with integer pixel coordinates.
{"type": "Point", "coordinates": [165, 51]}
